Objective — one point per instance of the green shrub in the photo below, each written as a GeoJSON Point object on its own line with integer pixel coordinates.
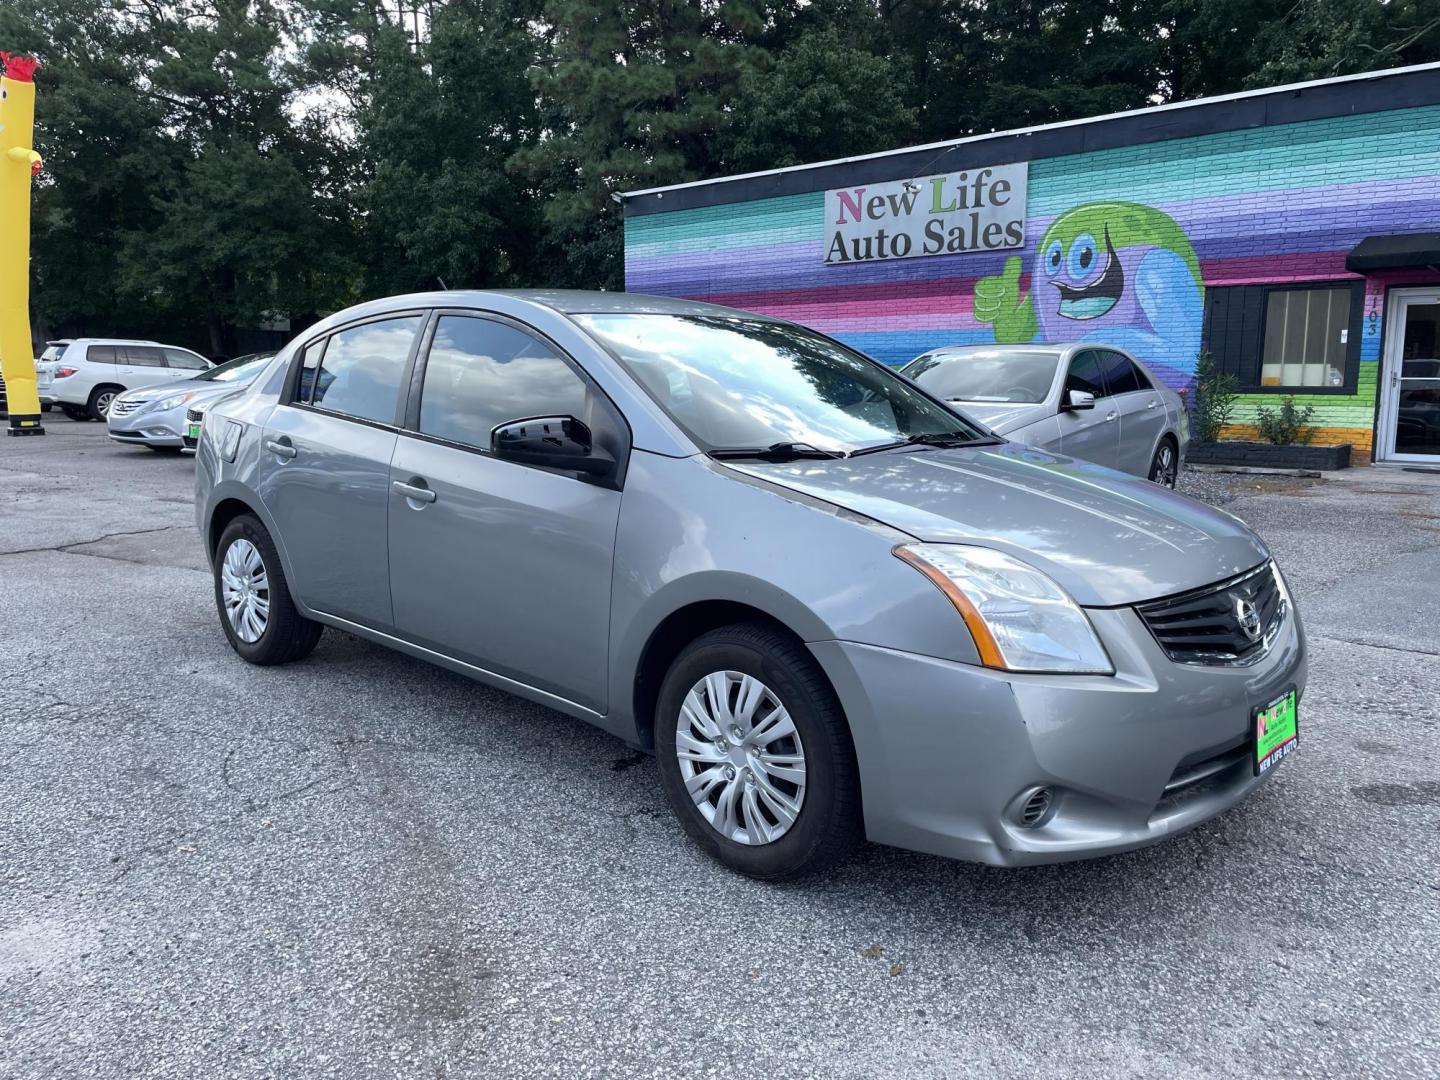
{"type": "Point", "coordinates": [1211, 400]}
{"type": "Point", "coordinates": [1287, 425]}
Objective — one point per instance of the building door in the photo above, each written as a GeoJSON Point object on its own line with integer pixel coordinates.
{"type": "Point", "coordinates": [1410, 382]}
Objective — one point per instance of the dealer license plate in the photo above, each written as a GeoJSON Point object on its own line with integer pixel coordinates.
{"type": "Point", "coordinates": [1276, 731]}
{"type": "Point", "coordinates": [193, 431]}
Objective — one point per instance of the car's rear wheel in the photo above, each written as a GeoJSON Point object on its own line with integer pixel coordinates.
{"type": "Point", "coordinates": [100, 400]}
{"type": "Point", "coordinates": [1165, 465]}
{"type": "Point", "coordinates": [256, 610]}
{"type": "Point", "coordinates": [755, 754]}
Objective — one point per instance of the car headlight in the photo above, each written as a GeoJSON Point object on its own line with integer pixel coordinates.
{"type": "Point", "coordinates": [174, 401]}
{"type": "Point", "coordinates": [1020, 619]}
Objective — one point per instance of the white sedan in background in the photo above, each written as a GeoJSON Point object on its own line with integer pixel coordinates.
{"type": "Point", "coordinates": [1086, 401]}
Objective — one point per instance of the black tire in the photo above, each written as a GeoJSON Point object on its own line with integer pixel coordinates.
{"type": "Point", "coordinates": [100, 399]}
{"type": "Point", "coordinates": [829, 825]}
{"type": "Point", "coordinates": [75, 412]}
{"type": "Point", "coordinates": [45, 406]}
{"type": "Point", "coordinates": [1165, 465]}
{"type": "Point", "coordinates": [288, 635]}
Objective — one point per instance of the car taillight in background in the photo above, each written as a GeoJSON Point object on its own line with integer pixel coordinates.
{"type": "Point", "coordinates": [65, 372]}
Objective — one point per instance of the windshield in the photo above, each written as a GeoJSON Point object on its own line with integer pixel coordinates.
{"type": "Point", "coordinates": [734, 383]}
{"type": "Point", "coordinates": [242, 369]}
{"type": "Point", "coordinates": [1021, 378]}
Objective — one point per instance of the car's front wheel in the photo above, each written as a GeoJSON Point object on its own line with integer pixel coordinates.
{"type": "Point", "coordinates": [755, 754]}
{"type": "Point", "coordinates": [256, 610]}
{"type": "Point", "coordinates": [1165, 465]}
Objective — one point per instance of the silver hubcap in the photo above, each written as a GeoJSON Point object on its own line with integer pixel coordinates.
{"type": "Point", "coordinates": [1164, 470]}
{"type": "Point", "coordinates": [245, 590]}
{"type": "Point", "coordinates": [103, 403]}
{"type": "Point", "coordinates": [740, 757]}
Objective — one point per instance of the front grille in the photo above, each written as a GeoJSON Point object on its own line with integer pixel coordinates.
{"type": "Point", "coordinates": [127, 434]}
{"type": "Point", "coordinates": [124, 408]}
{"type": "Point", "coordinates": [1228, 623]}
{"type": "Point", "coordinates": [1190, 774]}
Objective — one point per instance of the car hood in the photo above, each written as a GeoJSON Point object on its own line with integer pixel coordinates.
{"type": "Point", "coordinates": [203, 389]}
{"type": "Point", "coordinates": [1110, 539]}
{"type": "Point", "coordinates": [1003, 417]}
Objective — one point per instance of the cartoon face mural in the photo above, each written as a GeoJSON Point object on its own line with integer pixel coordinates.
{"type": "Point", "coordinates": [1114, 273]}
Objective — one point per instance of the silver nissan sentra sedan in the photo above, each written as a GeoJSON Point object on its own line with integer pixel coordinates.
{"type": "Point", "coordinates": [832, 607]}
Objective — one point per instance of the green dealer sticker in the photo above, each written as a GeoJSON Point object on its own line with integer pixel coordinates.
{"type": "Point", "coordinates": [1277, 733]}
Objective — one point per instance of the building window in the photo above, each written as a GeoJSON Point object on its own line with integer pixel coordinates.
{"type": "Point", "coordinates": [1306, 331]}
{"type": "Point", "coordinates": [1287, 338]}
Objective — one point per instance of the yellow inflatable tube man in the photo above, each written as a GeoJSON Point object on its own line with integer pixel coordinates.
{"type": "Point", "coordinates": [18, 162]}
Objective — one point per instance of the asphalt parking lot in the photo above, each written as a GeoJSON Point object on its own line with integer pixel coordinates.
{"type": "Point", "coordinates": [361, 866]}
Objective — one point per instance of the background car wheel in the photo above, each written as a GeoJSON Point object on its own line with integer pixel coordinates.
{"type": "Point", "coordinates": [253, 599]}
{"type": "Point", "coordinates": [100, 399]}
{"type": "Point", "coordinates": [45, 407]}
{"type": "Point", "coordinates": [1165, 465]}
{"type": "Point", "coordinates": [75, 412]}
{"type": "Point", "coordinates": [755, 754]}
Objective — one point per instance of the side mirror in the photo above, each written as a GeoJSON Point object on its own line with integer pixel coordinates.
{"type": "Point", "coordinates": [555, 442]}
{"type": "Point", "coordinates": [1077, 401]}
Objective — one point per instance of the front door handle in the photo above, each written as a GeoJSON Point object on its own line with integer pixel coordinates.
{"type": "Point", "coordinates": [414, 492]}
{"type": "Point", "coordinates": [280, 447]}
{"type": "Point", "coordinates": [1111, 417]}
{"type": "Point", "coordinates": [1153, 403]}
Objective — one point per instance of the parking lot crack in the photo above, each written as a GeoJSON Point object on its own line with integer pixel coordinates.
{"type": "Point", "coordinates": [1377, 645]}
{"type": "Point", "coordinates": [68, 548]}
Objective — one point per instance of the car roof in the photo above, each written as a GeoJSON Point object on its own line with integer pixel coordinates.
{"type": "Point", "coordinates": [118, 341]}
{"type": "Point", "coordinates": [570, 302]}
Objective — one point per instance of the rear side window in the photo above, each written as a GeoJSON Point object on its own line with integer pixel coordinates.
{"type": "Point", "coordinates": [481, 374]}
{"type": "Point", "coordinates": [100, 354]}
{"type": "Point", "coordinates": [1085, 375]}
{"type": "Point", "coordinates": [1120, 374]}
{"type": "Point", "coordinates": [179, 358]}
{"type": "Point", "coordinates": [360, 372]}
{"type": "Point", "coordinates": [144, 356]}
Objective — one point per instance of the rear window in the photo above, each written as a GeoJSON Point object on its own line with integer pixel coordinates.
{"type": "Point", "coordinates": [52, 352]}
{"type": "Point", "coordinates": [101, 354]}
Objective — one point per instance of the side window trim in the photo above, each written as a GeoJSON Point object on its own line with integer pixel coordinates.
{"type": "Point", "coordinates": [420, 358]}
{"type": "Point", "coordinates": [1092, 353]}
{"type": "Point", "coordinates": [289, 392]}
{"type": "Point", "coordinates": [417, 382]}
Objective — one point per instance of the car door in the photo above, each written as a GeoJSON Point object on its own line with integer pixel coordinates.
{"type": "Point", "coordinates": [502, 565]}
{"type": "Point", "coordinates": [145, 365]}
{"type": "Point", "coordinates": [324, 472]}
{"type": "Point", "coordinates": [1141, 409]}
{"type": "Point", "coordinates": [1089, 434]}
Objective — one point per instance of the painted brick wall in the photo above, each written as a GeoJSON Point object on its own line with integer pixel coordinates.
{"type": "Point", "coordinates": [1275, 204]}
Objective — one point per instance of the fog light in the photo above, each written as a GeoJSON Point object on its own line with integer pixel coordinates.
{"type": "Point", "coordinates": [1033, 807]}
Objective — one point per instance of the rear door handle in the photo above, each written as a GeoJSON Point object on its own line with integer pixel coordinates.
{"type": "Point", "coordinates": [416, 492]}
{"type": "Point", "coordinates": [281, 448]}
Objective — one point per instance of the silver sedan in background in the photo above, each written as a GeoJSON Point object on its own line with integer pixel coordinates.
{"type": "Point", "coordinates": [154, 416]}
{"type": "Point", "coordinates": [1083, 400]}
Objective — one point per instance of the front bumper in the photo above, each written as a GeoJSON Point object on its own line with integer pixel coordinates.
{"type": "Point", "coordinates": [148, 429]}
{"type": "Point", "coordinates": [948, 751]}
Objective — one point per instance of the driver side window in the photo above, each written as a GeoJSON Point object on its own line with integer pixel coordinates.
{"type": "Point", "coordinates": [1084, 374]}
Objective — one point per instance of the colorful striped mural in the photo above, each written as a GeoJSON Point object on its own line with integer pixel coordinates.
{"type": "Point", "coordinates": [1264, 205]}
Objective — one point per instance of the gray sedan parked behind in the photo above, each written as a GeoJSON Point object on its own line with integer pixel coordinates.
{"type": "Point", "coordinates": [833, 607]}
{"type": "Point", "coordinates": [154, 416]}
{"type": "Point", "coordinates": [1087, 401]}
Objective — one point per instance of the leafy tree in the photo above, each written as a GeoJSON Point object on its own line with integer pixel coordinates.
{"type": "Point", "coordinates": [635, 93]}
{"type": "Point", "coordinates": [827, 95]}
{"type": "Point", "coordinates": [437, 126]}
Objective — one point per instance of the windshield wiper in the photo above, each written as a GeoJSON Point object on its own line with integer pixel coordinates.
{"type": "Point", "coordinates": [930, 438]}
{"type": "Point", "coordinates": [780, 451]}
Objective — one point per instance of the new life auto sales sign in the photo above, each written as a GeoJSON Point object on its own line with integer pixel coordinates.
{"type": "Point", "coordinates": [974, 210]}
